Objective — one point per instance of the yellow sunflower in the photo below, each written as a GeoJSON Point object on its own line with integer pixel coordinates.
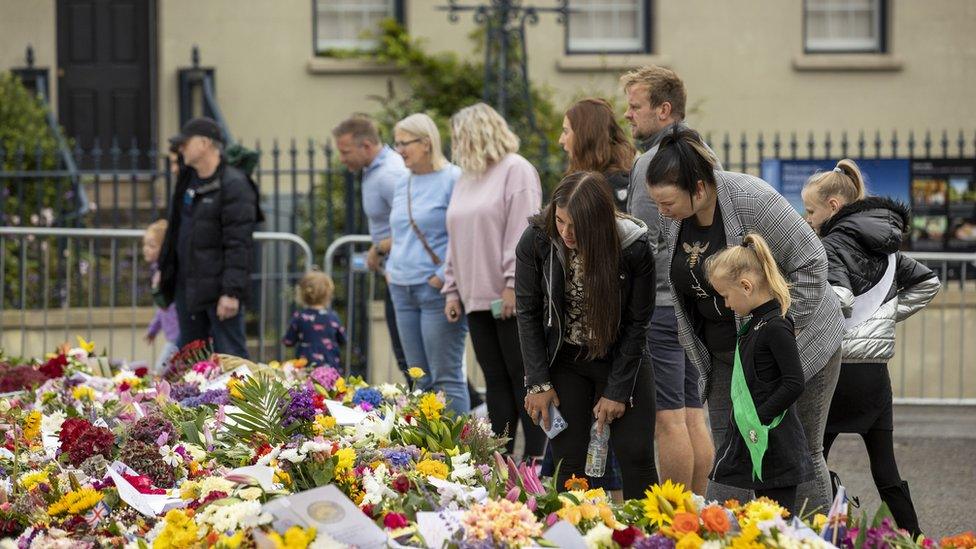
{"type": "Point", "coordinates": [662, 501]}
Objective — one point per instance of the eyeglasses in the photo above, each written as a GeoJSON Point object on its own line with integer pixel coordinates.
{"type": "Point", "coordinates": [403, 144]}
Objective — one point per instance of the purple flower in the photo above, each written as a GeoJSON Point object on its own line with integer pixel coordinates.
{"type": "Point", "coordinates": [657, 541]}
{"type": "Point", "coordinates": [397, 458]}
{"type": "Point", "coordinates": [213, 397]}
{"type": "Point", "coordinates": [301, 407]}
{"type": "Point", "coordinates": [326, 376]}
{"type": "Point", "coordinates": [181, 391]}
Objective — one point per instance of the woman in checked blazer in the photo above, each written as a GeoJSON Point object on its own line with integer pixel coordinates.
{"type": "Point", "coordinates": [707, 210]}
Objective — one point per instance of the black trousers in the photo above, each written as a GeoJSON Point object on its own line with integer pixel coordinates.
{"type": "Point", "coordinates": [496, 346]}
{"type": "Point", "coordinates": [228, 335]}
{"type": "Point", "coordinates": [579, 384]}
{"type": "Point", "coordinates": [881, 455]}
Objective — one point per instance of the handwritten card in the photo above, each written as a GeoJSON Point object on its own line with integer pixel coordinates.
{"type": "Point", "coordinates": [437, 528]}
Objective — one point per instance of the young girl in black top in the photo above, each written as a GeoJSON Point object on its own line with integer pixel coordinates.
{"type": "Point", "coordinates": [764, 449]}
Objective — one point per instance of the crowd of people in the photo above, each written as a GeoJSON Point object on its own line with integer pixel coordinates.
{"type": "Point", "coordinates": [652, 286]}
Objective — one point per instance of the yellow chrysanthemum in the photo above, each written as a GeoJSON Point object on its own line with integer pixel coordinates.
{"type": "Point", "coordinates": [32, 425]}
{"type": "Point", "coordinates": [663, 501]}
{"type": "Point", "coordinates": [415, 373]}
{"type": "Point", "coordinates": [233, 388]}
{"type": "Point", "coordinates": [431, 406]}
{"type": "Point", "coordinates": [431, 468]}
{"type": "Point", "coordinates": [747, 538]}
{"type": "Point", "coordinates": [231, 542]}
{"type": "Point", "coordinates": [323, 424]}
{"type": "Point", "coordinates": [282, 477]}
{"type": "Point", "coordinates": [346, 459]}
{"type": "Point", "coordinates": [82, 392]}
{"type": "Point", "coordinates": [690, 541]}
{"type": "Point", "coordinates": [75, 502]}
{"type": "Point", "coordinates": [33, 479]}
{"type": "Point", "coordinates": [190, 490]}
{"type": "Point", "coordinates": [762, 509]}
{"type": "Point", "coordinates": [295, 537]}
{"type": "Point", "coordinates": [180, 531]}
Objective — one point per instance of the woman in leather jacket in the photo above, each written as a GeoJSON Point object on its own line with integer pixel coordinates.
{"type": "Point", "coordinates": [584, 286]}
{"type": "Point", "coordinates": [878, 287]}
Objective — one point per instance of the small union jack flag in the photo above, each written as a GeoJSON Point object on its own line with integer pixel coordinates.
{"type": "Point", "coordinates": [97, 513]}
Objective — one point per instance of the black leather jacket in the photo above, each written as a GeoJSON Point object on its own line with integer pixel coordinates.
{"type": "Point", "coordinates": [539, 299]}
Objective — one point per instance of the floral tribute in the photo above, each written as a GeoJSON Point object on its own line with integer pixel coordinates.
{"type": "Point", "coordinates": [139, 461]}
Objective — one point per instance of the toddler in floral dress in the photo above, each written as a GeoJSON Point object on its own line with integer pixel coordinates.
{"type": "Point", "coordinates": [315, 330]}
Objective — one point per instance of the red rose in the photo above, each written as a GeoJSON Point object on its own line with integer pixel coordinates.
{"type": "Point", "coordinates": [141, 371]}
{"type": "Point", "coordinates": [124, 387]}
{"type": "Point", "coordinates": [318, 401]}
{"type": "Point", "coordinates": [395, 520]}
{"type": "Point", "coordinates": [368, 510]}
{"type": "Point", "coordinates": [55, 367]}
{"type": "Point", "coordinates": [401, 484]}
{"type": "Point", "coordinates": [627, 536]}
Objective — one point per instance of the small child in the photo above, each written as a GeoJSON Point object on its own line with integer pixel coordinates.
{"type": "Point", "coordinates": [765, 448]}
{"type": "Point", "coordinates": [165, 318]}
{"type": "Point", "coordinates": [315, 330]}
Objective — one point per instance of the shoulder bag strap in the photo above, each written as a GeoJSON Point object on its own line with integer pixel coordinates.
{"type": "Point", "coordinates": [416, 229]}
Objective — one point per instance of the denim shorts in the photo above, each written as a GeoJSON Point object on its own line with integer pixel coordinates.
{"type": "Point", "coordinates": [675, 377]}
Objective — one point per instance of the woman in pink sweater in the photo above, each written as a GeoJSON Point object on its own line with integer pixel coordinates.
{"type": "Point", "coordinates": [488, 212]}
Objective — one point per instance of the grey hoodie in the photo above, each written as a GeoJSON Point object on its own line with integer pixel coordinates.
{"type": "Point", "coordinates": [642, 206]}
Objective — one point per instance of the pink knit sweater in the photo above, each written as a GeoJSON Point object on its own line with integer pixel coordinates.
{"type": "Point", "coordinates": [485, 219]}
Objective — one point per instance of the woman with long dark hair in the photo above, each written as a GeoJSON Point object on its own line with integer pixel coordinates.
{"type": "Point", "coordinates": [708, 210]}
{"type": "Point", "coordinates": [595, 142]}
{"type": "Point", "coordinates": [584, 285]}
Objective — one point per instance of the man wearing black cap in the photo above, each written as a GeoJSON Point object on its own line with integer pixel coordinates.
{"type": "Point", "coordinates": [206, 259]}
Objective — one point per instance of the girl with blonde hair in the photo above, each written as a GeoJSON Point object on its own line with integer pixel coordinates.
{"type": "Point", "coordinates": [416, 268]}
{"type": "Point", "coordinates": [878, 286]}
{"type": "Point", "coordinates": [489, 209]}
{"type": "Point", "coordinates": [764, 448]}
{"type": "Point", "coordinates": [315, 330]}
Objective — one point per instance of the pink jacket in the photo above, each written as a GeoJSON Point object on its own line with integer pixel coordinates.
{"type": "Point", "coordinates": [487, 214]}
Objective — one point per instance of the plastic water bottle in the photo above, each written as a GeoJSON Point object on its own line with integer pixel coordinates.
{"type": "Point", "coordinates": [596, 454]}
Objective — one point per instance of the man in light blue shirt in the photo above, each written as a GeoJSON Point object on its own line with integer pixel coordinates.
{"type": "Point", "coordinates": [360, 148]}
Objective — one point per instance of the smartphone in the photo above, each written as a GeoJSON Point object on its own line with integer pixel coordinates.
{"type": "Point", "coordinates": [496, 308]}
{"type": "Point", "coordinates": [556, 422]}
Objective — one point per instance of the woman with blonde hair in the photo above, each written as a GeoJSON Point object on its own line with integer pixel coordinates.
{"type": "Point", "coordinates": [416, 268]}
{"type": "Point", "coordinates": [490, 207]}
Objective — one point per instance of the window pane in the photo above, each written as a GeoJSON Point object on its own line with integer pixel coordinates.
{"type": "Point", "coordinates": [346, 23]}
{"type": "Point", "coordinates": [606, 25]}
{"type": "Point", "coordinates": [842, 25]}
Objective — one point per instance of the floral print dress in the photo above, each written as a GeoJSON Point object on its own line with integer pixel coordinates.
{"type": "Point", "coordinates": [316, 335]}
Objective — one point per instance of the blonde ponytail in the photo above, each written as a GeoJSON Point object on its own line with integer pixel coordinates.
{"type": "Point", "coordinates": [845, 181]}
{"type": "Point", "coordinates": [752, 256]}
{"type": "Point", "coordinates": [774, 278]}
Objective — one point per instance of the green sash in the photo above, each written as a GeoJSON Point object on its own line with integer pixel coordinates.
{"type": "Point", "coordinates": [753, 431]}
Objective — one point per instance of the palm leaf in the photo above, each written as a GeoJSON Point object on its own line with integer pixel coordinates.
{"type": "Point", "coordinates": [262, 403]}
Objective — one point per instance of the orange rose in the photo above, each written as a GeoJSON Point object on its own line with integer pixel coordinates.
{"type": "Point", "coordinates": [715, 519]}
{"type": "Point", "coordinates": [685, 523]}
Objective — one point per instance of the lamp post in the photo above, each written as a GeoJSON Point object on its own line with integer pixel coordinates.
{"type": "Point", "coordinates": [506, 68]}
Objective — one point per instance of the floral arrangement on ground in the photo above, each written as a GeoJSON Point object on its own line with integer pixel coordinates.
{"type": "Point", "coordinates": [216, 452]}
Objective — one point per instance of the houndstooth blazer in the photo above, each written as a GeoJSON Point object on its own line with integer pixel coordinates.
{"type": "Point", "coordinates": [748, 204]}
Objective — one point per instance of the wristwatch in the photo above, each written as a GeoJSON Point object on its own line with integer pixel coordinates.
{"type": "Point", "coordinates": [541, 388]}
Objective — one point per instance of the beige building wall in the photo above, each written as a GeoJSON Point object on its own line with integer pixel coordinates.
{"type": "Point", "coordinates": [742, 62]}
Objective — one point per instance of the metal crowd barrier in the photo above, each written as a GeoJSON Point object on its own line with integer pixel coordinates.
{"type": "Point", "coordinates": [50, 273]}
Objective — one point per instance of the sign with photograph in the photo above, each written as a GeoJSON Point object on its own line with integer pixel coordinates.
{"type": "Point", "coordinates": [944, 204]}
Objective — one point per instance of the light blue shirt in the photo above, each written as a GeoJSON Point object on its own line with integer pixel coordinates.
{"type": "Point", "coordinates": [380, 179]}
{"type": "Point", "coordinates": [409, 262]}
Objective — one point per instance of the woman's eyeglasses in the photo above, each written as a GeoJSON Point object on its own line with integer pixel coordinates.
{"type": "Point", "coordinates": [403, 144]}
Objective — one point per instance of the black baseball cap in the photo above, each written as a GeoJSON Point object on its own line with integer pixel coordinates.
{"type": "Point", "coordinates": [202, 126]}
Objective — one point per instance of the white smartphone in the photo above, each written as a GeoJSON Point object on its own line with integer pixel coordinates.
{"type": "Point", "coordinates": [556, 422]}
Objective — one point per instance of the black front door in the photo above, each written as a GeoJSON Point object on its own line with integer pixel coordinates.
{"type": "Point", "coordinates": [104, 72]}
